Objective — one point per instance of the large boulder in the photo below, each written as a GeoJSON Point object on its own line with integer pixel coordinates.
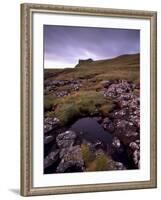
{"type": "Point", "coordinates": [134, 151]}
{"type": "Point", "coordinates": [66, 139]}
{"type": "Point", "coordinates": [51, 158]}
{"type": "Point", "coordinates": [71, 161]}
{"type": "Point", "coordinates": [48, 139]}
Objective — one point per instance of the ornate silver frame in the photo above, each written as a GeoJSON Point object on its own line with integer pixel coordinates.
{"type": "Point", "coordinates": [27, 11]}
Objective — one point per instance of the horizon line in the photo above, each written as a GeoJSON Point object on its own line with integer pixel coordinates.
{"type": "Point", "coordinates": [73, 66]}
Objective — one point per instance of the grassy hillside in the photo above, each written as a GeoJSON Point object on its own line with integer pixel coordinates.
{"type": "Point", "coordinates": [86, 99]}
{"type": "Point", "coordinates": [122, 67]}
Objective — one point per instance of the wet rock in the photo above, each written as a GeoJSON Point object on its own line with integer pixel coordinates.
{"type": "Point", "coordinates": [116, 143]}
{"type": "Point", "coordinates": [119, 166]}
{"type": "Point", "coordinates": [51, 158]}
{"type": "Point", "coordinates": [116, 165]}
{"type": "Point", "coordinates": [98, 145]}
{"type": "Point", "coordinates": [134, 146]}
{"type": "Point", "coordinates": [108, 125]}
{"type": "Point", "coordinates": [136, 158]}
{"type": "Point", "coordinates": [48, 139]}
{"type": "Point", "coordinates": [66, 139]}
{"type": "Point", "coordinates": [51, 123]}
{"type": "Point", "coordinates": [71, 161]}
{"type": "Point", "coordinates": [98, 119]}
{"type": "Point", "coordinates": [117, 147]}
{"type": "Point", "coordinates": [135, 152]}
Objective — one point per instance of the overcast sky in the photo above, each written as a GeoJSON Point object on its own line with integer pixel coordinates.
{"type": "Point", "coordinates": [65, 45]}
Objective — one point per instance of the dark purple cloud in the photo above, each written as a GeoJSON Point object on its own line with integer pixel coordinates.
{"type": "Point", "coordinates": [64, 45]}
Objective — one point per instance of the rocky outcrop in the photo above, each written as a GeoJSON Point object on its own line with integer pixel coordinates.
{"type": "Point", "coordinates": [71, 157]}
{"type": "Point", "coordinates": [124, 120]}
{"type": "Point", "coordinates": [51, 87]}
{"type": "Point", "coordinates": [85, 61]}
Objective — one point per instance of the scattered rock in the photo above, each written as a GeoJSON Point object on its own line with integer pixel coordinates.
{"type": "Point", "coordinates": [51, 87]}
{"type": "Point", "coordinates": [51, 123]}
{"type": "Point", "coordinates": [61, 94]}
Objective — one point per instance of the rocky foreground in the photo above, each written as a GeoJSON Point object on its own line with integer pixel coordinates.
{"type": "Point", "coordinates": [66, 151]}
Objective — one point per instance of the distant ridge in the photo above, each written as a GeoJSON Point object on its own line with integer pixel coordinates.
{"type": "Point", "coordinates": [126, 58]}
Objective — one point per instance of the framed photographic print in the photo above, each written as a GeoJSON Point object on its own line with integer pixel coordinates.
{"type": "Point", "coordinates": [88, 99]}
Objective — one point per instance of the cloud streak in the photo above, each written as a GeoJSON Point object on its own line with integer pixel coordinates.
{"type": "Point", "coordinates": [65, 45]}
